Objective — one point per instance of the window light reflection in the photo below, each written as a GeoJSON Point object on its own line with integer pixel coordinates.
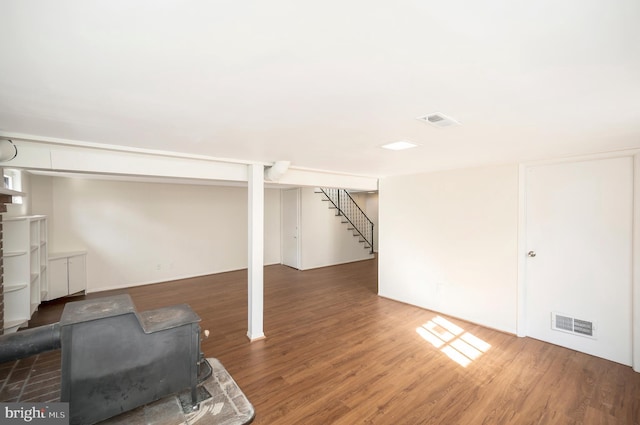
{"type": "Point", "coordinates": [460, 346]}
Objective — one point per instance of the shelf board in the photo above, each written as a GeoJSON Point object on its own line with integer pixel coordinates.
{"type": "Point", "coordinates": [13, 253]}
{"type": "Point", "coordinates": [13, 288]}
{"type": "Point", "coordinates": [65, 254]}
{"type": "Point", "coordinates": [34, 247]}
{"type": "Point", "coordinates": [4, 191]}
{"type": "Point", "coordinates": [34, 276]}
{"type": "Point", "coordinates": [13, 325]}
{"type": "Point", "coordinates": [43, 295]}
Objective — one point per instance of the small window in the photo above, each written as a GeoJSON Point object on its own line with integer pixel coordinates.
{"type": "Point", "coordinates": [13, 181]}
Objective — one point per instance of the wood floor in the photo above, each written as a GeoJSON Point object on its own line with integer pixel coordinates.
{"type": "Point", "coordinates": [336, 353]}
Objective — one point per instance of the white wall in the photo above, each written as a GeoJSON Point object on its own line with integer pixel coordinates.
{"type": "Point", "coordinates": [371, 208]}
{"type": "Point", "coordinates": [324, 240]}
{"type": "Point", "coordinates": [137, 233]}
{"type": "Point", "coordinates": [448, 243]}
{"type": "Point", "coordinates": [272, 223]}
{"type": "Point", "coordinates": [41, 195]}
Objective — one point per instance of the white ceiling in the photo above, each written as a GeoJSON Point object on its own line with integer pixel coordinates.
{"type": "Point", "coordinates": [324, 84]}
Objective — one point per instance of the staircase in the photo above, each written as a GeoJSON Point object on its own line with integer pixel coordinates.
{"type": "Point", "coordinates": [351, 214]}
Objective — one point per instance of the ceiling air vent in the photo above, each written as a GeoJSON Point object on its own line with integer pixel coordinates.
{"type": "Point", "coordinates": [439, 120]}
{"type": "Point", "coordinates": [564, 323]}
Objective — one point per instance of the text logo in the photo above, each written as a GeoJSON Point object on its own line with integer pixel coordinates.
{"type": "Point", "coordinates": [34, 413]}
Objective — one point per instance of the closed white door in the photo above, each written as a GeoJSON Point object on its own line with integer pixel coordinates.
{"type": "Point", "coordinates": [290, 228]}
{"type": "Point", "coordinates": [579, 256]}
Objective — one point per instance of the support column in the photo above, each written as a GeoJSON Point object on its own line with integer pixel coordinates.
{"type": "Point", "coordinates": [256, 251]}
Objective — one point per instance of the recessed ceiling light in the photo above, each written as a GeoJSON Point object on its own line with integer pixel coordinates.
{"type": "Point", "coordinates": [398, 146]}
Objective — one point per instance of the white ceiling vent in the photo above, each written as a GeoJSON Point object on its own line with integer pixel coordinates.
{"type": "Point", "coordinates": [439, 120]}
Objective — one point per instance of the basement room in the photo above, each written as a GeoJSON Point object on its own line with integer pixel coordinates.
{"type": "Point", "coordinates": [334, 213]}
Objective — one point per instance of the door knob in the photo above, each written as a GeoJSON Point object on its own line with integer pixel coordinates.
{"type": "Point", "coordinates": [531, 254]}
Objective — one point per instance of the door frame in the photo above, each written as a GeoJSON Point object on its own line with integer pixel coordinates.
{"type": "Point", "coordinates": [282, 226]}
{"type": "Point", "coordinates": [521, 321]}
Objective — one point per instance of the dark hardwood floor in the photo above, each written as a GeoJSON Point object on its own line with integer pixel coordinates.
{"type": "Point", "coordinates": [336, 353]}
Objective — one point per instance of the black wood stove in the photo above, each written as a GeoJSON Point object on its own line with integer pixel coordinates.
{"type": "Point", "coordinates": [115, 359]}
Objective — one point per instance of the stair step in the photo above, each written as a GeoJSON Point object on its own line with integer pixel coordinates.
{"type": "Point", "coordinates": [347, 207]}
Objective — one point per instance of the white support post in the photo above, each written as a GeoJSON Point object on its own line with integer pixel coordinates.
{"type": "Point", "coordinates": [256, 251]}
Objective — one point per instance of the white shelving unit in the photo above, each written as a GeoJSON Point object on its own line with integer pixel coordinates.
{"type": "Point", "coordinates": [25, 268]}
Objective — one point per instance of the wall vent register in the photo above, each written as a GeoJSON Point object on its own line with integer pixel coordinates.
{"type": "Point", "coordinates": [565, 323]}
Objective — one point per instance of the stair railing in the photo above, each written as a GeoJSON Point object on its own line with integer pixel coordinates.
{"type": "Point", "coordinates": [352, 214]}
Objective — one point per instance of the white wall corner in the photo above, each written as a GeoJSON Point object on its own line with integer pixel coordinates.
{"type": "Point", "coordinates": [635, 326]}
{"type": "Point", "coordinates": [521, 328]}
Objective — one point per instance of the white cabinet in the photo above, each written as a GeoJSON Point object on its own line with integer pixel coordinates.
{"type": "Point", "coordinates": [25, 268]}
{"type": "Point", "coordinates": [67, 273]}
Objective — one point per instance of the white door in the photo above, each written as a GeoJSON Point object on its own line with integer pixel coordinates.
{"type": "Point", "coordinates": [579, 256]}
{"type": "Point", "coordinates": [290, 228]}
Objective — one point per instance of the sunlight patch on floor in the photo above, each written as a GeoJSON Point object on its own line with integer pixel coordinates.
{"type": "Point", "coordinates": [460, 346]}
